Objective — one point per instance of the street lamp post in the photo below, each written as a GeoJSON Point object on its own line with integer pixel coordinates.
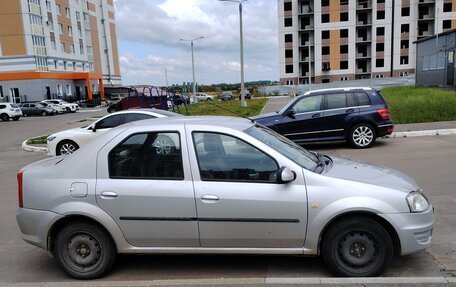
{"type": "Point", "coordinates": [193, 62]}
{"type": "Point", "coordinates": [243, 102]}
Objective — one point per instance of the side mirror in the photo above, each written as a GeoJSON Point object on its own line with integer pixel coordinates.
{"type": "Point", "coordinates": [94, 128]}
{"type": "Point", "coordinates": [291, 114]}
{"type": "Point", "coordinates": [285, 175]}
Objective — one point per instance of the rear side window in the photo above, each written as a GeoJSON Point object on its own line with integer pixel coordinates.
{"type": "Point", "coordinates": [339, 100]}
{"type": "Point", "coordinates": [137, 117]}
{"type": "Point", "coordinates": [2, 106]}
{"type": "Point", "coordinates": [147, 156]}
{"type": "Point", "coordinates": [362, 99]}
{"type": "Point", "coordinates": [110, 122]}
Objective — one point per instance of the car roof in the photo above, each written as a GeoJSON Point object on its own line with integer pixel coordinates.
{"type": "Point", "coordinates": [328, 91]}
{"type": "Point", "coordinates": [149, 111]}
{"type": "Point", "coordinates": [219, 121]}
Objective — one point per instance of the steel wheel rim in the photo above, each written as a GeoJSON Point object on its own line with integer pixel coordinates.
{"type": "Point", "coordinates": [82, 252]}
{"type": "Point", "coordinates": [363, 136]}
{"type": "Point", "coordinates": [67, 148]}
{"type": "Point", "coordinates": [358, 251]}
{"type": "Point", "coordinates": [162, 146]}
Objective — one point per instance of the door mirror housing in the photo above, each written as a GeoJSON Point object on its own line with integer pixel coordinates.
{"type": "Point", "coordinates": [285, 175]}
{"type": "Point", "coordinates": [94, 128]}
{"type": "Point", "coordinates": [290, 113]}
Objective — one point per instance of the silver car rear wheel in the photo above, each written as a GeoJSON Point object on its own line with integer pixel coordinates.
{"type": "Point", "coordinates": [84, 251]}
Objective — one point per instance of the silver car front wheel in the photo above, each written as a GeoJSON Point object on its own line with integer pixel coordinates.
{"type": "Point", "coordinates": [362, 136]}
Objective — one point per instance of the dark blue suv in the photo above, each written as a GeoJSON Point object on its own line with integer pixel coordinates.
{"type": "Point", "coordinates": [358, 115]}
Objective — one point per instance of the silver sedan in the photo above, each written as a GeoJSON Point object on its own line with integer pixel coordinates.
{"type": "Point", "coordinates": [218, 185]}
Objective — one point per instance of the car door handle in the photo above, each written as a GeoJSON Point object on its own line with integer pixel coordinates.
{"type": "Point", "coordinates": [209, 198]}
{"type": "Point", "coordinates": [350, 111]}
{"type": "Point", "coordinates": [314, 116]}
{"type": "Point", "coordinates": [108, 194]}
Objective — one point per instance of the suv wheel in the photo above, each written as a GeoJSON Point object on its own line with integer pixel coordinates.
{"type": "Point", "coordinates": [357, 247]}
{"type": "Point", "coordinates": [66, 147]}
{"type": "Point", "coordinates": [84, 251]}
{"type": "Point", "coordinates": [43, 113]}
{"type": "Point", "coordinates": [4, 117]}
{"type": "Point", "coordinates": [362, 136]}
{"type": "Point", "coordinates": [15, 118]}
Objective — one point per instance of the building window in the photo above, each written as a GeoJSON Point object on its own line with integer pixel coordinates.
{"type": "Point", "coordinates": [287, 6]}
{"type": "Point", "coordinates": [58, 8]}
{"type": "Point", "coordinates": [405, 28]}
{"type": "Point", "coordinates": [80, 32]}
{"type": "Point", "coordinates": [404, 60]}
{"type": "Point", "coordinates": [48, 6]}
{"type": "Point", "coordinates": [81, 49]}
{"type": "Point", "coordinates": [64, 65]}
{"type": "Point", "coordinates": [405, 11]}
{"type": "Point", "coordinates": [447, 7]}
{"type": "Point", "coordinates": [325, 81]}
{"type": "Point", "coordinates": [344, 16]}
{"type": "Point", "coordinates": [446, 24]}
{"type": "Point", "coordinates": [70, 30]}
{"type": "Point", "coordinates": [78, 16]}
{"type": "Point", "coordinates": [325, 50]}
{"type": "Point", "coordinates": [324, 3]}
{"type": "Point", "coordinates": [404, 44]}
{"type": "Point", "coordinates": [344, 33]}
{"type": "Point", "coordinates": [73, 50]}
{"type": "Point", "coordinates": [288, 38]}
{"type": "Point", "coordinates": [60, 28]}
{"type": "Point", "coordinates": [288, 53]}
{"type": "Point", "coordinates": [68, 13]}
{"type": "Point", "coordinates": [53, 45]}
{"type": "Point", "coordinates": [288, 22]}
{"type": "Point", "coordinates": [56, 64]}
{"type": "Point", "coordinates": [325, 34]}
{"type": "Point", "coordinates": [343, 65]}
{"type": "Point", "coordinates": [289, 69]}
{"type": "Point", "coordinates": [344, 49]}
{"type": "Point", "coordinates": [380, 15]}
{"type": "Point", "coordinates": [380, 47]}
{"type": "Point", "coordinates": [62, 46]}
{"type": "Point", "coordinates": [324, 18]}
{"type": "Point", "coordinates": [379, 63]}
{"type": "Point", "coordinates": [403, 74]}
{"type": "Point", "coordinates": [380, 31]}
{"type": "Point", "coordinates": [68, 90]}
{"type": "Point", "coordinates": [379, 76]}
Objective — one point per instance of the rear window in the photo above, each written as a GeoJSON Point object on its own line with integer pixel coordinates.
{"type": "Point", "coordinates": [362, 99]}
{"type": "Point", "coordinates": [382, 98]}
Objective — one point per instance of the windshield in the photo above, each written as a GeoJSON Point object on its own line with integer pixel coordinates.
{"type": "Point", "coordinates": [296, 153]}
{"type": "Point", "coordinates": [14, 106]}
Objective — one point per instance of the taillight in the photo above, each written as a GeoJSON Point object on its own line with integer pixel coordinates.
{"type": "Point", "coordinates": [19, 188]}
{"type": "Point", "coordinates": [384, 113]}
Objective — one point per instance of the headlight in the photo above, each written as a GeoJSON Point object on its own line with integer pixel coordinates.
{"type": "Point", "coordinates": [417, 201]}
{"type": "Point", "coordinates": [51, 138]}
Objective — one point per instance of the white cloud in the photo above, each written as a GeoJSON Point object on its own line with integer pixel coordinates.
{"type": "Point", "coordinates": [149, 33]}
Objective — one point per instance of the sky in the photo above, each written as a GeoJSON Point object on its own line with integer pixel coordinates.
{"type": "Point", "coordinates": [149, 33]}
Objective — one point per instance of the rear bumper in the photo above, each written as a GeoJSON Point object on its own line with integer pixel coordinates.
{"type": "Point", "coordinates": [385, 129]}
{"type": "Point", "coordinates": [35, 224]}
{"type": "Point", "coordinates": [413, 229]}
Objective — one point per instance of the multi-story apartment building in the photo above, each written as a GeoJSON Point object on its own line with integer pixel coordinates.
{"type": "Point", "coordinates": [322, 41]}
{"type": "Point", "coordinates": [57, 49]}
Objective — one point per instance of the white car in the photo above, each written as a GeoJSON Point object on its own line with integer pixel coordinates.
{"type": "Point", "coordinates": [68, 141]}
{"type": "Point", "coordinates": [68, 106]}
{"type": "Point", "coordinates": [58, 108]}
{"type": "Point", "coordinates": [9, 110]}
{"type": "Point", "coordinates": [203, 97]}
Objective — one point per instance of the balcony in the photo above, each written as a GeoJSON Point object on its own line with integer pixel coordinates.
{"type": "Point", "coordinates": [363, 5]}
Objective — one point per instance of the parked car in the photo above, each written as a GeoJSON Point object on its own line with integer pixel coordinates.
{"type": "Point", "coordinates": [224, 185]}
{"type": "Point", "coordinates": [58, 108]}
{"type": "Point", "coordinates": [9, 111]}
{"type": "Point", "coordinates": [36, 109]}
{"type": "Point", "coordinates": [203, 97]}
{"type": "Point", "coordinates": [226, 96]}
{"type": "Point", "coordinates": [136, 102]}
{"type": "Point", "coordinates": [357, 115]}
{"type": "Point", "coordinates": [69, 107]}
{"type": "Point", "coordinates": [248, 96]}
{"type": "Point", "coordinates": [68, 141]}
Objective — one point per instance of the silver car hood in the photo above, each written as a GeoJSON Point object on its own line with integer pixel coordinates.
{"type": "Point", "coordinates": [369, 173]}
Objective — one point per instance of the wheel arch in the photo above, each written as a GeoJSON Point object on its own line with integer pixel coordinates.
{"type": "Point", "coordinates": [366, 214]}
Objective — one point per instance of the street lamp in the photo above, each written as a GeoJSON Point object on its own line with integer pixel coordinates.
{"type": "Point", "coordinates": [243, 102]}
{"type": "Point", "coordinates": [193, 62]}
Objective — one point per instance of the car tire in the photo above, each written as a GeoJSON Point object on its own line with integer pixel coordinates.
{"type": "Point", "coordinates": [4, 117]}
{"type": "Point", "coordinates": [44, 113]}
{"type": "Point", "coordinates": [208, 99]}
{"type": "Point", "coordinates": [362, 136]}
{"type": "Point", "coordinates": [15, 118]}
{"type": "Point", "coordinates": [66, 147]}
{"type": "Point", "coordinates": [84, 250]}
{"type": "Point", "coordinates": [357, 247]}
{"type": "Point", "coordinates": [67, 109]}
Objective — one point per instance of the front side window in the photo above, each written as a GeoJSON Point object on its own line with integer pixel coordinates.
{"type": "Point", "coordinates": [147, 156]}
{"type": "Point", "coordinates": [109, 122]}
{"type": "Point", "coordinates": [308, 104]}
{"type": "Point", "coordinates": [225, 158]}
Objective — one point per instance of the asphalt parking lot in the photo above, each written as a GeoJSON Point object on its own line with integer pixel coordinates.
{"type": "Point", "coordinates": [430, 160]}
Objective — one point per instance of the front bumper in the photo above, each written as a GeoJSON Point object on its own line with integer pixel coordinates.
{"type": "Point", "coordinates": [35, 225]}
{"type": "Point", "coordinates": [413, 229]}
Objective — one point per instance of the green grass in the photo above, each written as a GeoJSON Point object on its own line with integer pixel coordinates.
{"type": "Point", "coordinates": [227, 108]}
{"type": "Point", "coordinates": [418, 105]}
{"type": "Point", "coordinates": [37, 140]}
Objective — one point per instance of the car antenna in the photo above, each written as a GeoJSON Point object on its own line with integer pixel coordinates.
{"type": "Point", "coordinates": [230, 111]}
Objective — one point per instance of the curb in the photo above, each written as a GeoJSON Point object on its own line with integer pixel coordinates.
{"type": "Point", "coordinates": [31, 148]}
{"type": "Point", "coordinates": [441, 132]}
{"type": "Point", "coordinates": [303, 281]}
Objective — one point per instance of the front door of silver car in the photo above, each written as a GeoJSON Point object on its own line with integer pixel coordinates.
{"type": "Point", "coordinates": [142, 185]}
{"type": "Point", "coordinates": [241, 202]}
